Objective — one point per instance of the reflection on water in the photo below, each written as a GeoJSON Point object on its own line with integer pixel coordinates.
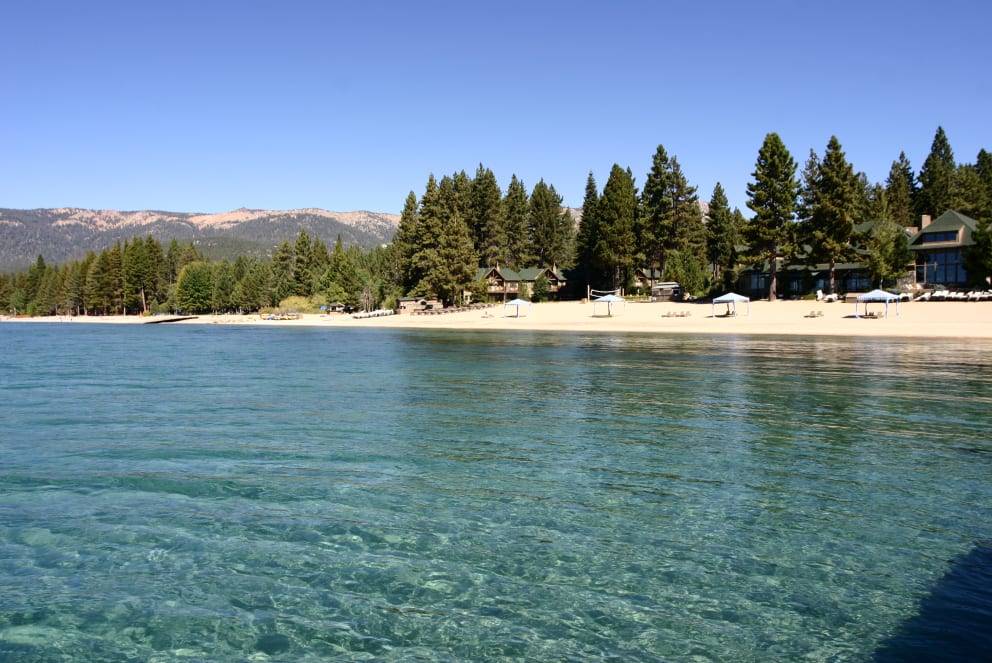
{"type": "Point", "coordinates": [235, 493]}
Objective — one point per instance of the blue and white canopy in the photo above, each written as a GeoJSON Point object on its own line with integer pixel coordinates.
{"type": "Point", "coordinates": [876, 296]}
{"type": "Point", "coordinates": [609, 300]}
{"type": "Point", "coordinates": [517, 303]}
{"type": "Point", "coordinates": [731, 299]}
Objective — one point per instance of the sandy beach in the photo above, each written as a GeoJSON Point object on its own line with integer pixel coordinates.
{"type": "Point", "coordinates": [913, 320]}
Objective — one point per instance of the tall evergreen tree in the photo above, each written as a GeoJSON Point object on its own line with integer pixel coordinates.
{"type": "Point", "coordinates": [283, 262]}
{"type": "Point", "coordinates": [588, 235]}
{"type": "Point", "coordinates": [936, 178]}
{"type": "Point", "coordinates": [617, 243]}
{"type": "Point", "coordinates": [222, 296]}
{"type": "Point", "coordinates": [304, 277]}
{"type": "Point", "coordinates": [254, 289]}
{"type": "Point", "coordinates": [485, 218]}
{"type": "Point", "coordinates": [656, 220]}
{"type": "Point", "coordinates": [900, 192]}
{"type": "Point", "coordinates": [140, 274]}
{"type": "Point", "coordinates": [551, 227]}
{"type": "Point", "coordinates": [515, 214]}
{"type": "Point", "coordinates": [773, 197]}
{"type": "Point", "coordinates": [404, 242]}
{"type": "Point", "coordinates": [832, 202]}
{"type": "Point", "coordinates": [670, 217]}
{"type": "Point", "coordinates": [722, 236]}
{"type": "Point", "coordinates": [194, 289]}
{"type": "Point", "coordinates": [969, 195]}
{"type": "Point", "coordinates": [444, 260]}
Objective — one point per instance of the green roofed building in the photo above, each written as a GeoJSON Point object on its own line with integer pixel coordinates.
{"type": "Point", "coordinates": [505, 284]}
{"type": "Point", "coordinates": [939, 248]}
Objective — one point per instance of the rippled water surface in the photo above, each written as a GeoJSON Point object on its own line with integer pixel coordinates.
{"type": "Point", "coordinates": [239, 493]}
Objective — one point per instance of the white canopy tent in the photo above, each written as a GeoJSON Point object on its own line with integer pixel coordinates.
{"type": "Point", "coordinates": [609, 300]}
{"type": "Point", "coordinates": [731, 299]}
{"type": "Point", "coordinates": [876, 296]}
{"type": "Point", "coordinates": [517, 303]}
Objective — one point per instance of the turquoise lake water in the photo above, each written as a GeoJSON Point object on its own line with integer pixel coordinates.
{"type": "Point", "coordinates": [223, 493]}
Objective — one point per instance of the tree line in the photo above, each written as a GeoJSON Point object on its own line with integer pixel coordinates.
{"type": "Point", "coordinates": [139, 277]}
{"type": "Point", "coordinates": [461, 223]}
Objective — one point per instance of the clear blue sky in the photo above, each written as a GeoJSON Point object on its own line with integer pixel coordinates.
{"type": "Point", "coordinates": [211, 105]}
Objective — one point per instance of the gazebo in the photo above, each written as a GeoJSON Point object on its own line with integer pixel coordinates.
{"type": "Point", "coordinates": [517, 303]}
{"type": "Point", "coordinates": [609, 300]}
{"type": "Point", "coordinates": [876, 296]}
{"type": "Point", "coordinates": [731, 299]}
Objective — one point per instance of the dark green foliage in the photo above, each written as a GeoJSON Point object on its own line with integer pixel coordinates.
{"type": "Point", "coordinates": [485, 218]}
{"type": "Point", "coordinates": [194, 290]}
{"type": "Point", "coordinates": [832, 204]}
{"type": "Point", "coordinates": [616, 244]}
{"type": "Point", "coordinates": [978, 258]}
{"type": "Point", "coordinates": [900, 192]}
{"type": "Point", "coordinates": [773, 197]}
{"type": "Point", "coordinates": [443, 261]}
{"type": "Point", "coordinates": [283, 263]}
{"type": "Point", "coordinates": [541, 289]}
{"type": "Point", "coordinates": [722, 234]}
{"type": "Point", "coordinates": [222, 299]}
{"type": "Point", "coordinates": [670, 219]}
{"type": "Point", "coordinates": [551, 228]}
{"type": "Point", "coordinates": [888, 252]}
{"type": "Point", "coordinates": [969, 194]}
{"type": "Point", "coordinates": [515, 215]}
{"type": "Point", "coordinates": [936, 178]}
{"type": "Point", "coordinates": [588, 235]}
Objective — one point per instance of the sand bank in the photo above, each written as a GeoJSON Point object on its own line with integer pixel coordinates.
{"type": "Point", "coordinates": [913, 320]}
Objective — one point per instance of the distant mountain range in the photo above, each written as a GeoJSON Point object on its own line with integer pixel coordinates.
{"type": "Point", "coordinates": [64, 234]}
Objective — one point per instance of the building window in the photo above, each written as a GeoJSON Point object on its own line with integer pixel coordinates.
{"type": "Point", "coordinates": [943, 236]}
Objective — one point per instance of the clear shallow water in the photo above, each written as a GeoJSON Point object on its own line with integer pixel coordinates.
{"type": "Point", "coordinates": [236, 493]}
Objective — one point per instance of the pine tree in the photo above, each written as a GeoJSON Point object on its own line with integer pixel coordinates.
{"type": "Point", "coordinates": [773, 197]}
{"type": "Point", "coordinates": [888, 252]}
{"type": "Point", "coordinates": [443, 261]}
{"type": "Point", "coordinates": [617, 243]}
{"type": "Point", "coordinates": [304, 278]}
{"type": "Point", "coordinates": [222, 296]}
{"type": "Point", "coordinates": [656, 220]}
{"type": "Point", "coordinates": [283, 262]}
{"type": "Point", "coordinates": [551, 227]}
{"type": "Point", "coordinates": [139, 275]}
{"type": "Point", "coordinates": [722, 236]}
{"type": "Point", "coordinates": [900, 192]}
{"type": "Point", "coordinates": [194, 289]}
{"type": "Point", "coordinates": [341, 280]}
{"type": "Point", "coordinates": [485, 218]}
{"type": "Point", "coordinates": [404, 242]}
{"type": "Point", "coordinates": [969, 195]}
{"type": "Point", "coordinates": [588, 235]}
{"type": "Point", "coordinates": [936, 178]}
{"type": "Point", "coordinates": [515, 215]}
{"type": "Point", "coordinates": [832, 202]}
{"type": "Point", "coordinates": [670, 217]}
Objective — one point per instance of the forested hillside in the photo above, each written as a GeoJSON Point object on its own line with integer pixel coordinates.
{"type": "Point", "coordinates": [65, 234]}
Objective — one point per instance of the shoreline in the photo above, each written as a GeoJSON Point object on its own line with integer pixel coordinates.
{"type": "Point", "coordinates": [920, 320]}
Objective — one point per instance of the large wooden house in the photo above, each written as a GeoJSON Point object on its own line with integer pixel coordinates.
{"type": "Point", "coordinates": [505, 284]}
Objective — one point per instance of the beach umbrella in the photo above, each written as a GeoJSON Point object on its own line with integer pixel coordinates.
{"type": "Point", "coordinates": [517, 303]}
{"type": "Point", "coordinates": [877, 296]}
{"type": "Point", "coordinates": [609, 300]}
{"type": "Point", "coordinates": [731, 299]}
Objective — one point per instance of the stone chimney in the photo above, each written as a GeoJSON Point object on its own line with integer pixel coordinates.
{"type": "Point", "coordinates": [925, 221]}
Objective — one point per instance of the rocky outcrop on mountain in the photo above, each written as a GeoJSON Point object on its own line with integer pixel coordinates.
{"type": "Point", "coordinates": [62, 234]}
